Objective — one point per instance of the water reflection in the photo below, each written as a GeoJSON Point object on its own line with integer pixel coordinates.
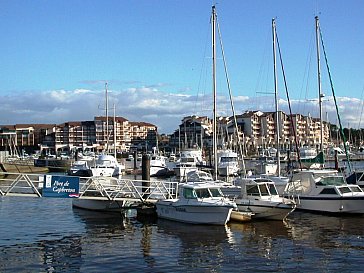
{"type": "Point", "coordinates": [43, 235]}
{"type": "Point", "coordinates": [200, 246]}
{"type": "Point", "coordinates": [328, 231]}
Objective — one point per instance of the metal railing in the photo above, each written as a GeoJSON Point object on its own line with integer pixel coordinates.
{"type": "Point", "coordinates": [100, 188]}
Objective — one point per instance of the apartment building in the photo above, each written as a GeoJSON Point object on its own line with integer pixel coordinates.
{"type": "Point", "coordinates": [257, 130]}
{"type": "Point", "coordinates": [98, 135]}
{"type": "Point", "coordinates": [27, 136]}
{"type": "Point", "coordinates": [192, 131]}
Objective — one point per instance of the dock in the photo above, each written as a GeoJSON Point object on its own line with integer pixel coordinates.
{"type": "Point", "coordinates": [135, 193]}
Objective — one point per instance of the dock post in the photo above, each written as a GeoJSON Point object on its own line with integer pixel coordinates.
{"type": "Point", "coordinates": [135, 160]}
{"type": "Point", "coordinates": [145, 175]}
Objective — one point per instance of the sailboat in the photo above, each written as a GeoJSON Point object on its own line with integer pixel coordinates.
{"type": "Point", "coordinates": [107, 164]}
{"type": "Point", "coordinates": [104, 174]}
{"type": "Point", "coordinates": [273, 168]}
{"type": "Point", "coordinates": [259, 195]}
{"type": "Point", "coordinates": [200, 202]}
{"type": "Point", "coordinates": [323, 190]}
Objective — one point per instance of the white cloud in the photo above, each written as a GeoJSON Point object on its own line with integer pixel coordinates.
{"type": "Point", "coordinates": [166, 110]}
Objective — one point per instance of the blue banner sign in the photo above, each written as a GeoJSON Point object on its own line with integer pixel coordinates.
{"type": "Point", "coordinates": [61, 186]}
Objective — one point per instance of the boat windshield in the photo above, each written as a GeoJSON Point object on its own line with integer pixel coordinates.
{"type": "Point", "coordinates": [263, 190]}
{"type": "Point", "coordinates": [202, 193]}
{"type": "Point", "coordinates": [252, 190]}
{"type": "Point", "coordinates": [330, 181]}
{"type": "Point", "coordinates": [189, 193]}
{"type": "Point", "coordinates": [215, 192]}
{"type": "Point", "coordinates": [272, 189]}
{"type": "Point", "coordinates": [228, 159]}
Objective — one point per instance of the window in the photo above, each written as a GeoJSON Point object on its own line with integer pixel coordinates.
{"type": "Point", "coordinates": [215, 192]}
{"type": "Point", "coordinates": [202, 193]}
{"type": "Point", "coordinates": [355, 189]}
{"type": "Point", "coordinates": [263, 189]}
{"type": "Point", "coordinates": [344, 190]}
{"type": "Point", "coordinates": [189, 193]}
{"type": "Point", "coordinates": [272, 189]}
{"type": "Point", "coordinates": [331, 180]}
{"type": "Point", "coordinates": [252, 190]}
{"type": "Point", "coordinates": [328, 191]}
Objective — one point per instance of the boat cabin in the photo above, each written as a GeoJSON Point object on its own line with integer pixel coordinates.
{"type": "Point", "coordinates": [258, 187]}
{"type": "Point", "coordinates": [204, 190]}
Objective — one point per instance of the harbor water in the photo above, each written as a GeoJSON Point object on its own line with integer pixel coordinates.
{"type": "Point", "coordinates": [48, 235]}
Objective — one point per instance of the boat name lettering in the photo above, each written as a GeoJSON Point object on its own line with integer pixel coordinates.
{"type": "Point", "coordinates": [181, 209]}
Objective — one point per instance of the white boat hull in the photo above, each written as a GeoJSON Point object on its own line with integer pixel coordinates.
{"type": "Point", "coordinates": [104, 171]}
{"type": "Point", "coordinates": [195, 214]}
{"type": "Point", "coordinates": [158, 171]}
{"type": "Point", "coordinates": [353, 205]}
{"type": "Point", "coordinates": [264, 210]}
{"type": "Point", "coordinates": [98, 205]}
{"type": "Point", "coordinates": [182, 171]}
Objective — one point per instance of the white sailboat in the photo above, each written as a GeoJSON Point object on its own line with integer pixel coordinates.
{"type": "Point", "coordinates": [199, 202]}
{"type": "Point", "coordinates": [107, 164]}
{"type": "Point", "coordinates": [324, 191]}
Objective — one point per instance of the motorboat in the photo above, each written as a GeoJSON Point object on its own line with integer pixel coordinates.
{"type": "Point", "coordinates": [227, 164]}
{"type": "Point", "coordinates": [198, 176]}
{"type": "Point", "coordinates": [99, 205]}
{"type": "Point", "coordinates": [158, 165]}
{"type": "Point", "coordinates": [324, 191]}
{"type": "Point", "coordinates": [80, 168]}
{"type": "Point", "coordinates": [197, 203]}
{"type": "Point", "coordinates": [227, 188]}
{"type": "Point", "coordinates": [107, 165]}
{"type": "Point", "coordinates": [96, 191]}
{"type": "Point", "coordinates": [280, 181]}
{"type": "Point", "coordinates": [189, 160]}
{"type": "Point", "coordinates": [260, 196]}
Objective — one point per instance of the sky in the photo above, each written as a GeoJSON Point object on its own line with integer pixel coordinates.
{"type": "Point", "coordinates": [155, 56]}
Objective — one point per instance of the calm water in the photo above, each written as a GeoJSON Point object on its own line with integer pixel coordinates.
{"type": "Point", "coordinates": [48, 235]}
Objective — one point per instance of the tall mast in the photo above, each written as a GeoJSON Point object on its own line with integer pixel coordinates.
{"type": "Point", "coordinates": [276, 98]}
{"type": "Point", "coordinates": [214, 131]}
{"type": "Point", "coordinates": [107, 118]}
{"type": "Point", "coordinates": [319, 79]}
{"type": "Point", "coordinates": [114, 121]}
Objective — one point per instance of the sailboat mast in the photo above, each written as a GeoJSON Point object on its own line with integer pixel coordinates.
{"type": "Point", "coordinates": [319, 79]}
{"type": "Point", "coordinates": [114, 121]}
{"type": "Point", "coordinates": [107, 118]}
{"type": "Point", "coordinates": [276, 97]}
{"type": "Point", "coordinates": [214, 130]}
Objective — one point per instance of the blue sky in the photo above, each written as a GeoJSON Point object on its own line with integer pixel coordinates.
{"type": "Point", "coordinates": [156, 58]}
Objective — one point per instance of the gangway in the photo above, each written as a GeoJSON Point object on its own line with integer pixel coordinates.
{"type": "Point", "coordinates": [97, 188]}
